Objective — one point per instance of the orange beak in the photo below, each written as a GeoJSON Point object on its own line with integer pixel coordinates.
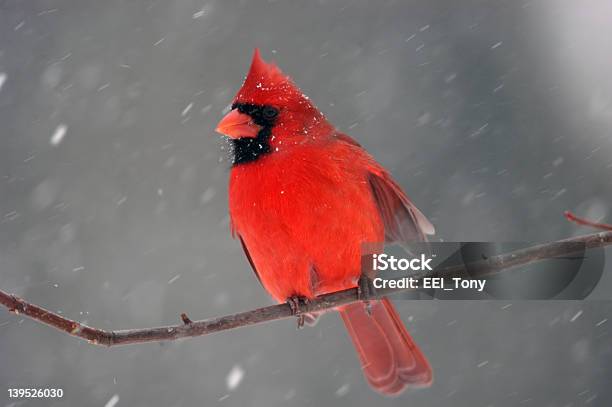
{"type": "Point", "coordinates": [237, 125]}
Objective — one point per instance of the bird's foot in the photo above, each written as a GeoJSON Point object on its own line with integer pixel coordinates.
{"type": "Point", "coordinates": [365, 288]}
{"type": "Point", "coordinates": [295, 303]}
{"type": "Point", "coordinates": [366, 291]}
{"type": "Point", "coordinates": [186, 319]}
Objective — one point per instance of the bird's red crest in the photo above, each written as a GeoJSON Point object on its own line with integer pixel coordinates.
{"type": "Point", "coordinates": [267, 84]}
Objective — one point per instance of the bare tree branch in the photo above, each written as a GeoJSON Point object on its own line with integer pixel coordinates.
{"type": "Point", "coordinates": [585, 222]}
{"type": "Point", "coordinates": [189, 328]}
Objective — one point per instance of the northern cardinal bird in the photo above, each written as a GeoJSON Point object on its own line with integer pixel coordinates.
{"type": "Point", "coordinates": [303, 197]}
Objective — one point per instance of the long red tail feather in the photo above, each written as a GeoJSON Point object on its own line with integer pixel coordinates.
{"type": "Point", "coordinates": [390, 359]}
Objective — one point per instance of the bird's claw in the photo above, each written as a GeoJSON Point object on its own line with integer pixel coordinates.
{"type": "Point", "coordinates": [186, 319]}
{"type": "Point", "coordinates": [295, 303]}
{"type": "Point", "coordinates": [366, 291]}
{"type": "Point", "coordinates": [365, 288]}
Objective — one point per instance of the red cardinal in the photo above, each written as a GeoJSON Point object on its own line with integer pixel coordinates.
{"type": "Point", "coordinates": [303, 198]}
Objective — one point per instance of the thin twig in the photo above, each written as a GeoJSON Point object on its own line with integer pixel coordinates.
{"type": "Point", "coordinates": [585, 222]}
{"type": "Point", "coordinates": [189, 328]}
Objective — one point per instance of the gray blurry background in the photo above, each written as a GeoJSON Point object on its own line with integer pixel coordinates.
{"type": "Point", "coordinates": [494, 115]}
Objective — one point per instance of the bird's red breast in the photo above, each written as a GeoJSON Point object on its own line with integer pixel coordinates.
{"type": "Point", "coordinates": [303, 199]}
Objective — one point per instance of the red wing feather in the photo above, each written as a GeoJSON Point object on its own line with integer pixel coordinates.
{"type": "Point", "coordinates": [403, 221]}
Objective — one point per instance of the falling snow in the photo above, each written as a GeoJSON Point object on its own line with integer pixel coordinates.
{"type": "Point", "coordinates": [58, 135]}
{"type": "Point", "coordinates": [202, 12]}
{"type": "Point", "coordinates": [576, 316]}
{"type": "Point", "coordinates": [558, 161]}
{"type": "Point", "coordinates": [116, 190]}
{"type": "Point", "coordinates": [112, 402]}
{"type": "Point", "coordinates": [208, 195]}
{"type": "Point", "coordinates": [186, 109]}
{"type": "Point", "coordinates": [234, 377]}
{"type": "Point", "coordinates": [343, 390]}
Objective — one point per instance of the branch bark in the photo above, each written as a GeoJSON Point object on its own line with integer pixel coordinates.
{"type": "Point", "coordinates": [585, 222]}
{"type": "Point", "coordinates": [189, 328]}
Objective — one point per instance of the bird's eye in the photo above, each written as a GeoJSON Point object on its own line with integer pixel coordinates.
{"type": "Point", "coordinates": [269, 112]}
